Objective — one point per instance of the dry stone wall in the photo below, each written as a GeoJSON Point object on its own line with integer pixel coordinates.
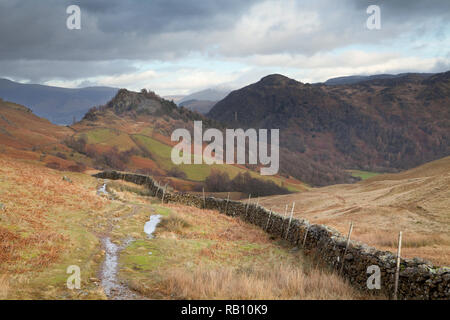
{"type": "Point", "coordinates": [419, 279]}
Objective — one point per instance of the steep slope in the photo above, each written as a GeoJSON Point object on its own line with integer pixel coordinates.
{"type": "Point", "coordinates": [376, 125]}
{"type": "Point", "coordinates": [24, 135]}
{"type": "Point", "coordinates": [416, 202]}
{"type": "Point", "coordinates": [59, 105]}
{"type": "Point", "coordinates": [20, 128]}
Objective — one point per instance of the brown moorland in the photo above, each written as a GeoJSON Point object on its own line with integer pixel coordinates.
{"type": "Point", "coordinates": [416, 202]}
{"type": "Point", "coordinates": [48, 223]}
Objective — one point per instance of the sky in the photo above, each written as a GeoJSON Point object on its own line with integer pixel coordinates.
{"type": "Point", "coordinates": [179, 47]}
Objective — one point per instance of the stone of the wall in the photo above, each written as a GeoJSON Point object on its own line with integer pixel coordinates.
{"type": "Point", "coordinates": [419, 279]}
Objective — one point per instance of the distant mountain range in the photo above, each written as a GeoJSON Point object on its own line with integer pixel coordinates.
{"type": "Point", "coordinates": [200, 106]}
{"type": "Point", "coordinates": [59, 105]}
{"type": "Point", "coordinates": [358, 79]}
{"type": "Point", "coordinates": [382, 123]}
{"type": "Point", "coordinates": [208, 94]}
{"type": "Point", "coordinates": [202, 101]}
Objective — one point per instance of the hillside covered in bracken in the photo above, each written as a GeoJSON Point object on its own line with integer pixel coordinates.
{"type": "Point", "coordinates": [132, 132]}
{"type": "Point", "coordinates": [379, 125]}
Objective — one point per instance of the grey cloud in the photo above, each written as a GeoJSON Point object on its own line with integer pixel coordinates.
{"type": "Point", "coordinates": [343, 23]}
{"type": "Point", "coordinates": [113, 29]}
{"type": "Point", "coordinates": [168, 29]}
{"type": "Point", "coordinates": [38, 71]}
{"type": "Point", "coordinates": [35, 43]}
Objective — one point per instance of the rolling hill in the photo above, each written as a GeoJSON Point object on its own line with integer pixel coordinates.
{"type": "Point", "coordinates": [379, 125]}
{"type": "Point", "coordinates": [24, 135]}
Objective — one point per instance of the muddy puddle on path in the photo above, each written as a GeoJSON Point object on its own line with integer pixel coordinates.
{"type": "Point", "coordinates": [115, 289]}
{"type": "Point", "coordinates": [150, 225]}
{"type": "Point", "coordinates": [102, 190]}
{"type": "Point", "coordinates": [112, 287]}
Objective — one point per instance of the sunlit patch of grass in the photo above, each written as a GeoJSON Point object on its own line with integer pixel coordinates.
{"type": "Point", "coordinates": [122, 186]}
{"type": "Point", "coordinates": [363, 174]}
{"type": "Point", "coordinates": [201, 254]}
{"type": "Point", "coordinates": [162, 210]}
{"type": "Point", "coordinates": [108, 137]}
{"type": "Point", "coordinates": [48, 225]}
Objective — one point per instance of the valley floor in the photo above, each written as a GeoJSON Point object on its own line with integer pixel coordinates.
{"type": "Point", "coordinates": [48, 223]}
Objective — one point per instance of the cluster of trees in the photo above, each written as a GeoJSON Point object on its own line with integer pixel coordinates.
{"type": "Point", "coordinates": [176, 173]}
{"type": "Point", "coordinates": [113, 158]}
{"type": "Point", "coordinates": [219, 181]}
{"type": "Point", "coordinates": [317, 170]}
{"type": "Point", "coordinates": [77, 144]}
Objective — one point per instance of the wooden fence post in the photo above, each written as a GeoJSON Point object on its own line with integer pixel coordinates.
{"type": "Point", "coordinates": [306, 234]}
{"type": "Point", "coordinates": [226, 205]}
{"type": "Point", "coordinates": [204, 199]}
{"type": "Point", "coordinates": [346, 246]}
{"type": "Point", "coordinates": [248, 204]}
{"type": "Point", "coordinates": [290, 219]}
{"type": "Point", "coordinates": [164, 193]}
{"type": "Point", "coordinates": [268, 220]}
{"type": "Point", "coordinates": [397, 270]}
{"type": "Point", "coordinates": [284, 218]}
{"type": "Point", "coordinates": [157, 188]}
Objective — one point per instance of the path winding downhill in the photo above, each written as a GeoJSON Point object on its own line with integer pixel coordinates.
{"type": "Point", "coordinates": [113, 288]}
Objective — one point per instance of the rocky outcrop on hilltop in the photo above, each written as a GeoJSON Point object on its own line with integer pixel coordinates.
{"type": "Point", "coordinates": [145, 104]}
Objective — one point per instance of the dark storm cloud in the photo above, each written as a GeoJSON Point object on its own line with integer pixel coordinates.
{"type": "Point", "coordinates": [167, 29]}
{"type": "Point", "coordinates": [157, 16]}
{"type": "Point", "coordinates": [35, 43]}
{"type": "Point", "coordinates": [111, 29]}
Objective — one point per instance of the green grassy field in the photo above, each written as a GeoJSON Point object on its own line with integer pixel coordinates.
{"type": "Point", "coordinates": [161, 154]}
{"type": "Point", "coordinates": [109, 137]}
{"type": "Point", "coordinates": [363, 174]}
